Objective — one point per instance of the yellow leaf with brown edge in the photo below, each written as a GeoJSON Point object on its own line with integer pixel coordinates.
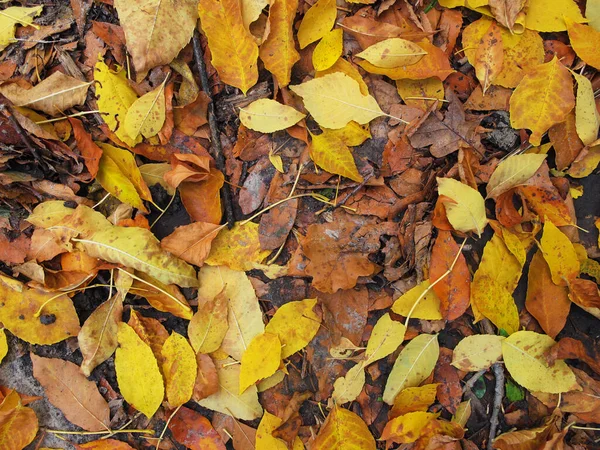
{"type": "Point", "coordinates": [233, 49]}
{"type": "Point", "coordinates": [408, 427]}
{"type": "Point", "coordinates": [264, 434]}
{"type": "Point", "coordinates": [344, 430]}
{"type": "Point", "coordinates": [296, 324]}
{"type": "Point", "coordinates": [208, 327]}
{"type": "Point", "coordinates": [392, 53]}
{"type": "Point", "coordinates": [465, 208]}
{"type": "Point", "coordinates": [331, 154]}
{"type": "Point", "coordinates": [260, 360]}
{"type": "Point", "coordinates": [267, 116]}
{"type": "Point", "coordinates": [328, 50]}
{"type": "Point", "coordinates": [20, 305]}
{"type": "Point", "coordinates": [179, 369]}
{"type": "Point", "coordinates": [163, 297]}
{"type": "Point", "coordinates": [489, 56]}
{"type": "Point", "coordinates": [156, 31]}
{"type": "Point", "coordinates": [513, 171]}
{"type": "Point", "coordinates": [18, 424]}
{"type": "Point", "coordinates": [477, 352]}
{"type": "Point", "coordinates": [428, 307]}
{"type": "Point", "coordinates": [138, 375]}
{"type": "Point", "coordinates": [13, 16]}
{"type": "Point", "coordinates": [238, 248]}
{"type": "Point", "coordinates": [551, 15]}
{"type": "Point", "coordinates": [386, 337]}
{"type": "Point", "coordinates": [560, 255]}
{"type": "Point", "coordinates": [414, 399]}
{"type": "Point", "coordinates": [523, 354]}
{"type": "Point", "coordinates": [543, 98]}
{"type": "Point", "coordinates": [428, 89]}
{"type": "Point", "coordinates": [115, 96]}
{"type": "Point", "coordinates": [587, 118]}
{"type": "Point", "coordinates": [278, 51]}
{"type": "Point", "coordinates": [146, 116]}
{"type": "Point", "coordinates": [317, 21]}
{"type": "Point", "coordinates": [151, 331]}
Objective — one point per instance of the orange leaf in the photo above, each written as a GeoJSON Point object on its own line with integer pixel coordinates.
{"type": "Point", "coordinates": [585, 40]}
{"type": "Point", "coordinates": [565, 141]}
{"type": "Point", "coordinates": [90, 152]}
{"type": "Point", "coordinates": [187, 167]}
{"type": "Point", "coordinates": [193, 430]}
{"type": "Point", "coordinates": [151, 331]}
{"type": "Point", "coordinates": [191, 242]}
{"type": "Point", "coordinates": [105, 444]}
{"type": "Point", "coordinates": [202, 200]}
{"type": "Point", "coordinates": [18, 424]}
{"type": "Point", "coordinates": [584, 293]}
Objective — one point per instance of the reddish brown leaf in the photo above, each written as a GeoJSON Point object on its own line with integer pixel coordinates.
{"type": "Point", "coordinates": [90, 152]}
{"type": "Point", "coordinates": [565, 141]}
{"type": "Point", "coordinates": [569, 348]}
{"type": "Point", "coordinates": [202, 201]}
{"type": "Point", "coordinates": [584, 293]}
{"type": "Point", "coordinates": [195, 431]}
{"type": "Point", "coordinates": [191, 242]}
{"type": "Point", "coordinates": [207, 380]}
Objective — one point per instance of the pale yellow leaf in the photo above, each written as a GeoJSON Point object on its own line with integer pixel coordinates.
{"type": "Point", "coordinates": [393, 52]}
{"type": "Point", "coordinates": [317, 21]}
{"type": "Point", "coordinates": [466, 208]}
{"type": "Point", "coordinates": [477, 352]}
{"type": "Point", "coordinates": [328, 50]}
{"type": "Point", "coordinates": [587, 119]}
{"type": "Point", "coordinates": [386, 337]}
{"type": "Point", "coordinates": [549, 15]}
{"type": "Point", "coordinates": [560, 254]}
{"type": "Point", "coordinates": [267, 116]}
{"type": "Point", "coordinates": [513, 171]}
{"type": "Point", "coordinates": [347, 388]}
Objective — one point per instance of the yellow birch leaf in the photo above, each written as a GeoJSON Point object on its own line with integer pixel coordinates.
{"type": "Point", "coordinates": [278, 51]}
{"type": "Point", "coordinates": [238, 248]}
{"type": "Point", "coordinates": [428, 307]}
{"type": "Point", "coordinates": [344, 430]}
{"type": "Point", "coordinates": [430, 89]}
{"type": "Point", "coordinates": [53, 95]}
{"type": "Point", "coordinates": [489, 56]}
{"type": "Point", "coordinates": [3, 345]}
{"type": "Point", "coordinates": [587, 119]}
{"type": "Point", "coordinates": [393, 52]}
{"type": "Point", "coordinates": [386, 337]}
{"type": "Point", "coordinates": [179, 369]}
{"type": "Point", "coordinates": [260, 360]}
{"type": "Point", "coordinates": [208, 327]}
{"type": "Point", "coordinates": [115, 96]}
{"type": "Point", "coordinates": [267, 116]}
{"type": "Point", "coordinates": [466, 210]}
{"type": "Point", "coordinates": [138, 376]}
{"type": "Point", "coordinates": [513, 171]}
{"type": "Point", "coordinates": [478, 352]}
{"type": "Point", "coordinates": [156, 30]}
{"type": "Point", "coordinates": [524, 357]}
{"type": "Point", "coordinates": [12, 16]}
{"type": "Point", "coordinates": [560, 255]}
{"type": "Point", "coordinates": [335, 99]}
{"type": "Point", "coordinates": [296, 324]}
{"type": "Point", "coordinates": [20, 304]}
{"type": "Point", "coordinates": [146, 116]}
{"type": "Point", "coordinates": [243, 311]}
{"type": "Point", "coordinates": [414, 399]}
{"type": "Point", "coordinates": [347, 388]}
{"type": "Point", "coordinates": [227, 399]}
{"type": "Point", "coordinates": [543, 98]}
{"type": "Point", "coordinates": [234, 51]}
{"type": "Point", "coordinates": [414, 364]}
{"type": "Point", "coordinates": [549, 15]}
{"type": "Point", "coordinates": [331, 154]}
{"type": "Point", "coordinates": [346, 67]}
{"type": "Point", "coordinates": [408, 427]}
{"type": "Point", "coordinates": [328, 50]}
{"type": "Point", "coordinates": [317, 21]}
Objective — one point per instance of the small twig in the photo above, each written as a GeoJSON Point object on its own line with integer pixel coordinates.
{"type": "Point", "coordinates": [498, 392]}
{"type": "Point", "coordinates": [214, 130]}
{"type": "Point", "coordinates": [160, 438]}
{"type": "Point", "coordinates": [91, 433]}
{"type": "Point", "coordinates": [471, 383]}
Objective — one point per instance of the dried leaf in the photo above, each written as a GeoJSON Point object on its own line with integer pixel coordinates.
{"type": "Point", "coordinates": [317, 21]}
{"type": "Point", "coordinates": [195, 431]}
{"type": "Point", "coordinates": [391, 53]}
{"type": "Point", "coordinates": [260, 360]}
{"type": "Point", "coordinates": [146, 116]}
{"type": "Point", "coordinates": [408, 427]}
{"type": "Point", "coordinates": [489, 57]}
{"type": "Point", "coordinates": [238, 248]}
{"type": "Point", "coordinates": [209, 325]}
{"type": "Point", "coordinates": [506, 11]}
{"type": "Point", "coordinates": [191, 242]}
{"type": "Point", "coordinates": [268, 116]}
{"type": "Point", "coordinates": [478, 352]}
{"type": "Point", "coordinates": [344, 430]}
{"type": "Point", "coordinates": [105, 444]}
{"type": "Point", "coordinates": [513, 171]}
{"type": "Point", "coordinates": [347, 388]}
{"type": "Point", "coordinates": [90, 152]}
{"type": "Point", "coordinates": [18, 424]}
{"type": "Point", "coordinates": [465, 206]}
{"type": "Point", "coordinates": [12, 16]}
{"type": "Point", "coordinates": [164, 297]}
{"type": "Point", "coordinates": [386, 337]}
{"type": "Point", "coordinates": [414, 399]}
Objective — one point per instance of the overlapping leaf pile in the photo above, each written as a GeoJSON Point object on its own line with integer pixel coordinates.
{"type": "Point", "coordinates": [266, 224]}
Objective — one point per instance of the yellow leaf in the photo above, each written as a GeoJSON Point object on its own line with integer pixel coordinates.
{"type": "Point", "coordinates": [328, 50]}
{"type": "Point", "coordinates": [243, 311]}
{"type": "Point", "coordinates": [267, 116]}
{"type": "Point", "coordinates": [234, 51]}
{"type": "Point", "coordinates": [146, 116]}
{"type": "Point", "coordinates": [3, 345]}
{"type": "Point", "coordinates": [10, 17]}
{"type": "Point", "coordinates": [463, 413]}
{"type": "Point", "coordinates": [587, 119]}
{"type": "Point", "coordinates": [560, 255]}
{"type": "Point", "coordinates": [208, 327]}
{"type": "Point", "coordinates": [264, 433]}
{"type": "Point", "coordinates": [238, 248]}
{"type": "Point", "coordinates": [335, 99]}
{"type": "Point", "coordinates": [489, 56]}
{"type": "Point", "coordinates": [260, 360]}
{"type": "Point", "coordinates": [524, 358]}
{"type": "Point", "coordinates": [585, 163]}
{"type": "Point", "coordinates": [138, 376]}
{"type": "Point", "coordinates": [251, 10]}
{"type": "Point", "coordinates": [156, 31]}
{"type": "Point", "coordinates": [478, 352]}
{"type": "Point", "coordinates": [414, 399]}
{"type": "Point", "coordinates": [227, 400]}
{"type": "Point", "coordinates": [592, 13]}
{"type": "Point", "coordinates": [414, 364]}
{"type": "Point", "coordinates": [429, 89]}
{"type": "Point", "coordinates": [331, 154]}
{"type": "Point", "coordinates": [343, 66]}
{"type": "Point", "coordinates": [513, 171]}
{"type": "Point", "coordinates": [549, 15]}
{"type": "Point", "coordinates": [466, 210]}
{"type": "Point", "coordinates": [153, 173]}
{"type": "Point", "coordinates": [54, 95]}
{"type": "Point", "coordinates": [408, 427]}
{"type": "Point", "coordinates": [115, 96]}
{"type": "Point", "coordinates": [163, 297]}
{"type": "Point", "coordinates": [296, 324]}
{"type": "Point", "coordinates": [585, 41]}
{"type": "Point", "coordinates": [20, 304]}
{"type": "Point", "coordinates": [386, 337]}
{"type": "Point", "coordinates": [317, 21]}
{"type": "Point", "coordinates": [344, 430]}
{"type": "Point", "coordinates": [179, 369]}
{"type": "Point", "coordinates": [393, 52]}
{"type": "Point", "coordinates": [347, 388]}
{"type": "Point", "coordinates": [352, 134]}
{"type": "Point", "coordinates": [543, 98]}
{"type": "Point", "coordinates": [278, 51]}
{"type": "Point", "coordinates": [428, 307]}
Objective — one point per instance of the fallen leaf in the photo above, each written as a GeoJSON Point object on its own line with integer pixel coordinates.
{"type": "Point", "coordinates": [3, 345]}
{"type": "Point", "coordinates": [569, 348]}
{"type": "Point", "coordinates": [465, 206]}
{"type": "Point", "coordinates": [523, 354]}
{"type": "Point", "coordinates": [209, 325]}
{"type": "Point", "coordinates": [584, 293]}
{"type": "Point", "coordinates": [551, 16]}
{"type": "Point", "coordinates": [238, 248]}
{"type": "Point", "coordinates": [489, 57]}
{"type": "Point", "coordinates": [11, 17]}
{"type": "Point", "coordinates": [584, 40]}
{"type": "Point", "coordinates": [156, 31]}
{"type": "Point", "coordinates": [151, 331]}
{"type": "Point", "coordinates": [386, 337]}
{"type": "Point", "coordinates": [414, 364]}
{"type": "Point", "coordinates": [347, 388]}
{"type": "Point", "coordinates": [207, 380]}
{"type": "Point", "coordinates": [18, 424]}
{"type": "Point", "coordinates": [478, 352]}
{"type": "Point", "coordinates": [179, 369]}
{"type": "Point", "coordinates": [344, 430]}
{"type": "Point", "coordinates": [90, 152]}
{"type": "Point", "coordinates": [191, 242]}
{"type": "Point", "coordinates": [428, 307]}
{"type": "Point", "coordinates": [188, 167]}
{"type": "Point", "coordinates": [163, 297]}
{"type": "Point", "coordinates": [407, 428]}
{"type": "Point", "coordinates": [429, 89]}
{"type": "Point", "coordinates": [414, 399]}
{"type": "Point", "coordinates": [146, 116]}
{"type": "Point", "coordinates": [506, 11]}
{"type": "Point", "coordinates": [328, 50]}
{"type": "Point", "coordinates": [268, 116]}
{"type": "Point", "coordinates": [559, 253]}
{"type": "Point", "coordinates": [195, 431]}
{"type": "Point", "coordinates": [264, 434]}
{"type": "Point", "coordinates": [317, 21]}
{"type": "Point", "coordinates": [260, 360]}
{"type": "Point", "coordinates": [587, 119]}
{"type": "Point", "coordinates": [68, 389]}
{"type": "Point", "coordinates": [332, 154]}
{"type": "Point", "coordinates": [105, 444]}
{"type": "Point", "coordinates": [393, 52]}
{"type": "Point", "coordinates": [139, 378]}
{"type": "Point", "coordinates": [565, 141]}
{"type": "Point", "coordinates": [513, 171]}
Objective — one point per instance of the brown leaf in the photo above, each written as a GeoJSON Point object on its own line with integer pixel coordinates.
{"type": "Point", "coordinates": [584, 293]}
{"type": "Point", "coordinates": [569, 348]}
{"type": "Point", "coordinates": [70, 391]}
{"type": "Point", "coordinates": [187, 167]}
{"type": "Point", "coordinates": [506, 11]}
{"type": "Point", "coordinates": [14, 251]}
{"type": "Point", "coordinates": [207, 380]}
{"type": "Point", "coordinates": [192, 116]}
{"type": "Point", "coordinates": [193, 430]}
{"type": "Point", "coordinates": [151, 331]}
{"type": "Point", "coordinates": [191, 242]}
{"type": "Point", "coordinates": [449, 390]}
{"type": "Point", "coordinates": [202, 200]}
{"type": "Point", "coordinates": [565, 141]}
{"type": "Point", "coordinates": [489, 56]}
{"type": "Point", "coordinates": [89, 150]}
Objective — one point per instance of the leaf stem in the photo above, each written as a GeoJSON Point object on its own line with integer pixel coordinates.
{"type": "Point", "coordinates": [91, 433]}
{"type": "Point", "coordinates": [160, 438]}
{"type": "Point", "coordinates": [43, 305]}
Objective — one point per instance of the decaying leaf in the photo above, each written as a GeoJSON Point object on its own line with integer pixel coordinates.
{"type": "Point", "coordinates": [477, 352]}
{"type": "Point", "coordinates": [344, 430]}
